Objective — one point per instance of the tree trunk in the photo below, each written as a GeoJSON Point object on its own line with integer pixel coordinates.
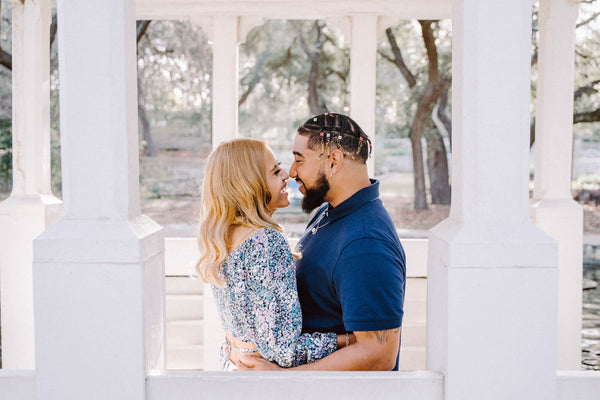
{"type": "Point", "coordinates": [420, 202]}
{"type": "Point", "coordinates": [443, 117]}
{"type": "Point", "coordinates": [149, 147]}
{"type": "Point", "coordinates": [315, 103]}
{"type": "Point", "coordinates": [437, 165]}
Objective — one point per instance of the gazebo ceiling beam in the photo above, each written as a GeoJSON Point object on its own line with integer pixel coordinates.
{"type": "Point", "coordinates": [292, 9]}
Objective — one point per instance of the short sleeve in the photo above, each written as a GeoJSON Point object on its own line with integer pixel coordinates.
{"type": "Point", "coordinates": [273, 298]}
{"type": "Point", "coordinates": [369, 279]}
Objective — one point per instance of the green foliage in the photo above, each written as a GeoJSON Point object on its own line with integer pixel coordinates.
{"type": "Point", "coordinates": [274, 73]}
{"type": "Point", "coordinates": [5, 155]}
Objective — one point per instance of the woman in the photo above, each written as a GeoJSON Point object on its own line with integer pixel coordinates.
{"type": "Point", "coordinates": [248, 262]}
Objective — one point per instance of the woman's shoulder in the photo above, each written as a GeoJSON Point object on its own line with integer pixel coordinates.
{"type": "Point", "coordinates": [270, 234]}
{"type": "Point", "coordinates": [271, 239]}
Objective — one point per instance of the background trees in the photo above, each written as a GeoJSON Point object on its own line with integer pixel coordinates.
{"type": "Point", "coordinates": [292, 69]}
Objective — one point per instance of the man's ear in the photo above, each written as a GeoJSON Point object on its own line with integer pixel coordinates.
{"type": "Point", "coordinates": [336, 160]}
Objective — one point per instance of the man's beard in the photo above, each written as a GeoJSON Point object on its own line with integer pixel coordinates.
{"type": "Point", "coordinates": [314, 197]}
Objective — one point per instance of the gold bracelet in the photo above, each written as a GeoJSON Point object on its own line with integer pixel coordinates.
{"type": "Point", "coordinates": [347, 339]}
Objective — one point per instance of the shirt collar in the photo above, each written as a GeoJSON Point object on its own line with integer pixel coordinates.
{"type": "Point", "coordinates": [356, 201]}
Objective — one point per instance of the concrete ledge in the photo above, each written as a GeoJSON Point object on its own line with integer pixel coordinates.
{"type": "Point", "coordinates": [578, 385]}
{"type": "Point", "coordinates": [17, 384]}
{"type": "Point", "coordinates": [422, 385]}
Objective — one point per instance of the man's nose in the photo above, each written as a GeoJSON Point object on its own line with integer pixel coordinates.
{"type": "Point", "coordinates": [292, 173]}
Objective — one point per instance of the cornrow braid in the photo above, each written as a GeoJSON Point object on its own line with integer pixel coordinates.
{"type": "Point", "coordinates": [327, 130]}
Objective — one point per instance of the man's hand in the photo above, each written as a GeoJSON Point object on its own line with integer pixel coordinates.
{"type": "Point", "coordinates": [252, 363]}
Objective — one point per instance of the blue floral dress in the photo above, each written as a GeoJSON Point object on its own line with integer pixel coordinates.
{"type": "Point", "coordinates": [259, 302]}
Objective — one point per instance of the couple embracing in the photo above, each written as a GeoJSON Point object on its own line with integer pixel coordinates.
{"type": "Point", "coordinates": [336, 302]}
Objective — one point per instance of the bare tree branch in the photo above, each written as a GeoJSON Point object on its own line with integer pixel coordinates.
{"type": "Point", "coordinates": [429, 40]}
{"type": "Point", "coordinates": [300, 35]}
{"type": "Point", "coordinates": [141, 28]}
{"type": "Point", "coordinates": [53, 29]}
{"type": "Point", "coordinates": [587, 21]}
{"type": "Point", "coordinates": [588, 89]}
{"type": "Point", "coordinates": [590, 116]}
{"type": "Point", "coordinates": [398, 60]}
{"type": "Point", "coordinates": [5, 59]}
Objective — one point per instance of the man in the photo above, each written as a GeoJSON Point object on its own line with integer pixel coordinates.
{"type": "Point", "coordinates": [351, 277]}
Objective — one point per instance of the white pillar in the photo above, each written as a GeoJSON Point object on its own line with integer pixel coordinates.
{"type": "Point", "coordinates": [98, 271]}
{"type": "Point", "coordinates": [225, 79]}
{"type": "Point", "coordinates": [363, 75]}
{"type": "Point", "coordinates": [553, 208]}
{"type": "Point", "coordinates": [31, 206]}
{"type": "Point", "coordinates": [492, 275]}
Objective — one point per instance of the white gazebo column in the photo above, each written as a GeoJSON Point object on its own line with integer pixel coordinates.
{"type": "Point", "coordinates": [31, 206]}
{"type": "Point", "coordinates": [363, 75]}
{"type": "Point", "coordinates": [98, 271]}
{"type": "Point", "coordinates": [225, 79]}
{"type": "Point", "coordinates": [492, 275]}
{"type": "Point", "coordinates": [553, 208]}
{"type": "Point", "coordinates": [224, 32]}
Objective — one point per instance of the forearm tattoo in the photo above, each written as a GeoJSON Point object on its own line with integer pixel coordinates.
{"type": "Point", "coordinates": [384, 336]}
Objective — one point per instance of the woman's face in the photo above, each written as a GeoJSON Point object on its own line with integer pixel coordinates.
{"type": "Point", "coordinates": [276, 180]}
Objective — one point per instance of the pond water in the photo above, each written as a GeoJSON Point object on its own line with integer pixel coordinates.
{"type": "Point", "coordinates": [590, 333]}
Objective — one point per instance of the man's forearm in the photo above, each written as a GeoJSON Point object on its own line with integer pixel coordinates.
{"type": "Point", "coordinates": [373, 351]}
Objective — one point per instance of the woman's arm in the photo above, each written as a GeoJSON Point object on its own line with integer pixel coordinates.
{"type": "Point", "coordinates": [274, 300]}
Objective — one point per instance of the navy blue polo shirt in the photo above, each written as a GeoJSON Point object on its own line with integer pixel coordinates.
{"type": "Point", "coordinates": [352, 273]}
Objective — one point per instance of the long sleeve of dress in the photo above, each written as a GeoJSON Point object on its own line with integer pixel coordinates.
{"type": "Point", "coordinates": [275, 309]}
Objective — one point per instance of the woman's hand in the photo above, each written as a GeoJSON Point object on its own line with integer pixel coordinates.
{"type": "Point", "coordinates": [252, 363]}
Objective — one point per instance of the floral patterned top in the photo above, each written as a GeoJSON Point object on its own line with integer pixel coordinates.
{"type": "Point", "coordinates": [259, 302]}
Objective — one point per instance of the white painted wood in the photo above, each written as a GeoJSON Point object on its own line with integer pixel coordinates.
{"type": "Point", "coordinates": [277, 9]}
{"type": "Point", "coordinates": [246, 24]}
{"type": "Point", "coordinates": [17, 385]}
{"type": "Point", "coordinates": [225, 79]}
{"type": "Point", "coordinates": [384, 22]}
{"type": "Point", "coordinates": [297, 385]}
{"type": "Point", "coordinates": [31, 206]}
{"type": "Point", "coordinates": [492, 275]}
{"type": "Point", "coordinates": [184, 307]}
{"type": "Point", "coordinates": [99, 271]}
{"type": "Point", "coordinates": [183, 284]}
{"type": "Point", "coordinates": [363, 73]}
{"type": "Point", "coordinates": [184, 333]}
{"type": "Point", "coordinates": [181, 255]}
{"type": "Point", "coordinates": [344, 24]}
{"type": "Point", "coordinates": [416, 257]}
{"type": "Point", "coordinates": [580, 385]}
{"type": "Point", "coordinates": [553, 208]}
{"type": "Point", "coordinates": [185, 358]}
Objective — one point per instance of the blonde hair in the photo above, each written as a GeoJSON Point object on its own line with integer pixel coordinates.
{"type": "Point", "coordinates": [234, 193]}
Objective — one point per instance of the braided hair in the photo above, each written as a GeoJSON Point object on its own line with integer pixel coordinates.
{"type": "Point", "coordinates": [331, 131]}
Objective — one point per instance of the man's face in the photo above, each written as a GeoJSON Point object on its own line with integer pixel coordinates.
{"type": "Point", "coordinates": [308, 171]}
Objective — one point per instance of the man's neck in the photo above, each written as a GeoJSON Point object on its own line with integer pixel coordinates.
{"type": "Point", "coordinates": [346, 188]}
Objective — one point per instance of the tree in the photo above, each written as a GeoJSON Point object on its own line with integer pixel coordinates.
{"type": "Point", "coordinates": [430, 93]}
{"type": "Point", "coordinates": [290, 69]}
{"type": "Point", "coordinates": [149, 147]}
{"type": "Point", "coordinates": [315, 103]}
{"type": "Point", "coordinates": [587, 78]}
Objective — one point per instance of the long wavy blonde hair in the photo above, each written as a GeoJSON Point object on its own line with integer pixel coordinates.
{"type": "Point", "coordinates": [234, 193]}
